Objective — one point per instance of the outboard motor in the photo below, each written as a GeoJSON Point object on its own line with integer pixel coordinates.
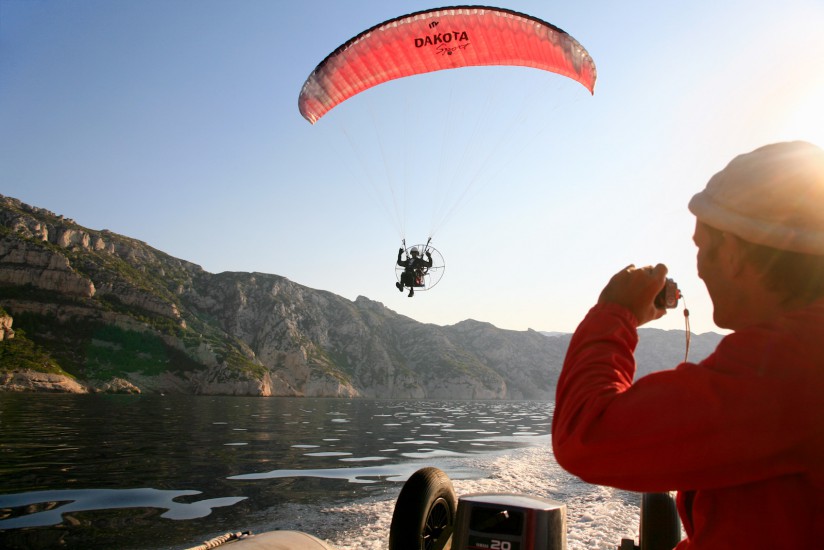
{"type": "Point", "coordinates": [503, 521]}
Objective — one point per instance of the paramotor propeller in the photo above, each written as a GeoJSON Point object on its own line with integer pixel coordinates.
{"type": "Point", "coordinates": [428, 276]}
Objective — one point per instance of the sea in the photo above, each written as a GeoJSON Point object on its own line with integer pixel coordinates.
{"type": "Point", "coordinates": [172, 471]}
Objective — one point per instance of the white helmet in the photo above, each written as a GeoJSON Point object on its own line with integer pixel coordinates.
{"type": "Point", "coordinates": [414, 251]}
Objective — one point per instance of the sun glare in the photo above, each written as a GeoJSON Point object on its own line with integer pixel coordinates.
{"type": "Point", "coordinates": [805, 117]}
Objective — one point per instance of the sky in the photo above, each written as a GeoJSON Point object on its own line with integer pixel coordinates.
{"type": "Point", "coordinates": [175, 122]}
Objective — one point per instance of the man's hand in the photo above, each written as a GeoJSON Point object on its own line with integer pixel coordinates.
{"type": "Point", "coordinates": [635, 289]}
{"type": "Point", "coordinates": [400, 251]}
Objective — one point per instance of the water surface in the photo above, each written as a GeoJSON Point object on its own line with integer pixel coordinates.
{"type": "Point", "coordinates": [103, 471]}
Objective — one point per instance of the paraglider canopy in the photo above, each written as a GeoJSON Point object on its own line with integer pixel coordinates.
{"type": "Point", "coordinates": [451, 157]}
{"type": "Point", "coordinates": [439, 39]}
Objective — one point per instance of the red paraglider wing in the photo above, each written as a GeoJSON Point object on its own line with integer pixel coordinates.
{"type": "Point", "coordinates": [438, 39]}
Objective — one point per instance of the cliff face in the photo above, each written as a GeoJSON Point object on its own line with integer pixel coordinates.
{"type": "Point", "coordinates": [6, 330]}
{"type": "Point", "coordinates": [113, 314]}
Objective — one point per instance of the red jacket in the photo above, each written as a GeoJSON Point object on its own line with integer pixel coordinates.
{"type": "Point", "coordinates": [740, 435]}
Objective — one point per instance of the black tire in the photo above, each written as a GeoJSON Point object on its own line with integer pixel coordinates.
{"type": "Point", "coordinates": [424, 515]}
{"type": "Point", "coordinates": [660, 527]}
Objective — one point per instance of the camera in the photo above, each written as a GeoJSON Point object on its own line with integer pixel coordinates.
{"type": "Point", "coordinates": [669, 295]}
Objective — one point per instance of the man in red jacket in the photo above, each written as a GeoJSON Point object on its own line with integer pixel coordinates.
{"type": "Point", "coordinates": [739, 435]}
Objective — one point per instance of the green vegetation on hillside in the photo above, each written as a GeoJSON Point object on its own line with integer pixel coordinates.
{"type": "Point", "coordinates": [22, 353]}
{"type": "Point", "coordinates": [94, 350]}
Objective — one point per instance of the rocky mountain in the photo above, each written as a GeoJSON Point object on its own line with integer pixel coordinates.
{"type": "Point", "coordinates": [661, 349]}
{"type": "Point", "coordinates": [87, 310]}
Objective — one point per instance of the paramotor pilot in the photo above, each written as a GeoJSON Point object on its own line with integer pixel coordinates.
{"type": "Point", "coordinates": [414, 270]}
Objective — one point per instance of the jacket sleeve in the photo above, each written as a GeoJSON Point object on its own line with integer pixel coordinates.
{"type": "Point", "coordinates": [686, 428]}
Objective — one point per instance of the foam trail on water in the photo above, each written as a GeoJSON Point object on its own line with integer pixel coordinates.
{"type": "Point", "coordinates": [597, 517]}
